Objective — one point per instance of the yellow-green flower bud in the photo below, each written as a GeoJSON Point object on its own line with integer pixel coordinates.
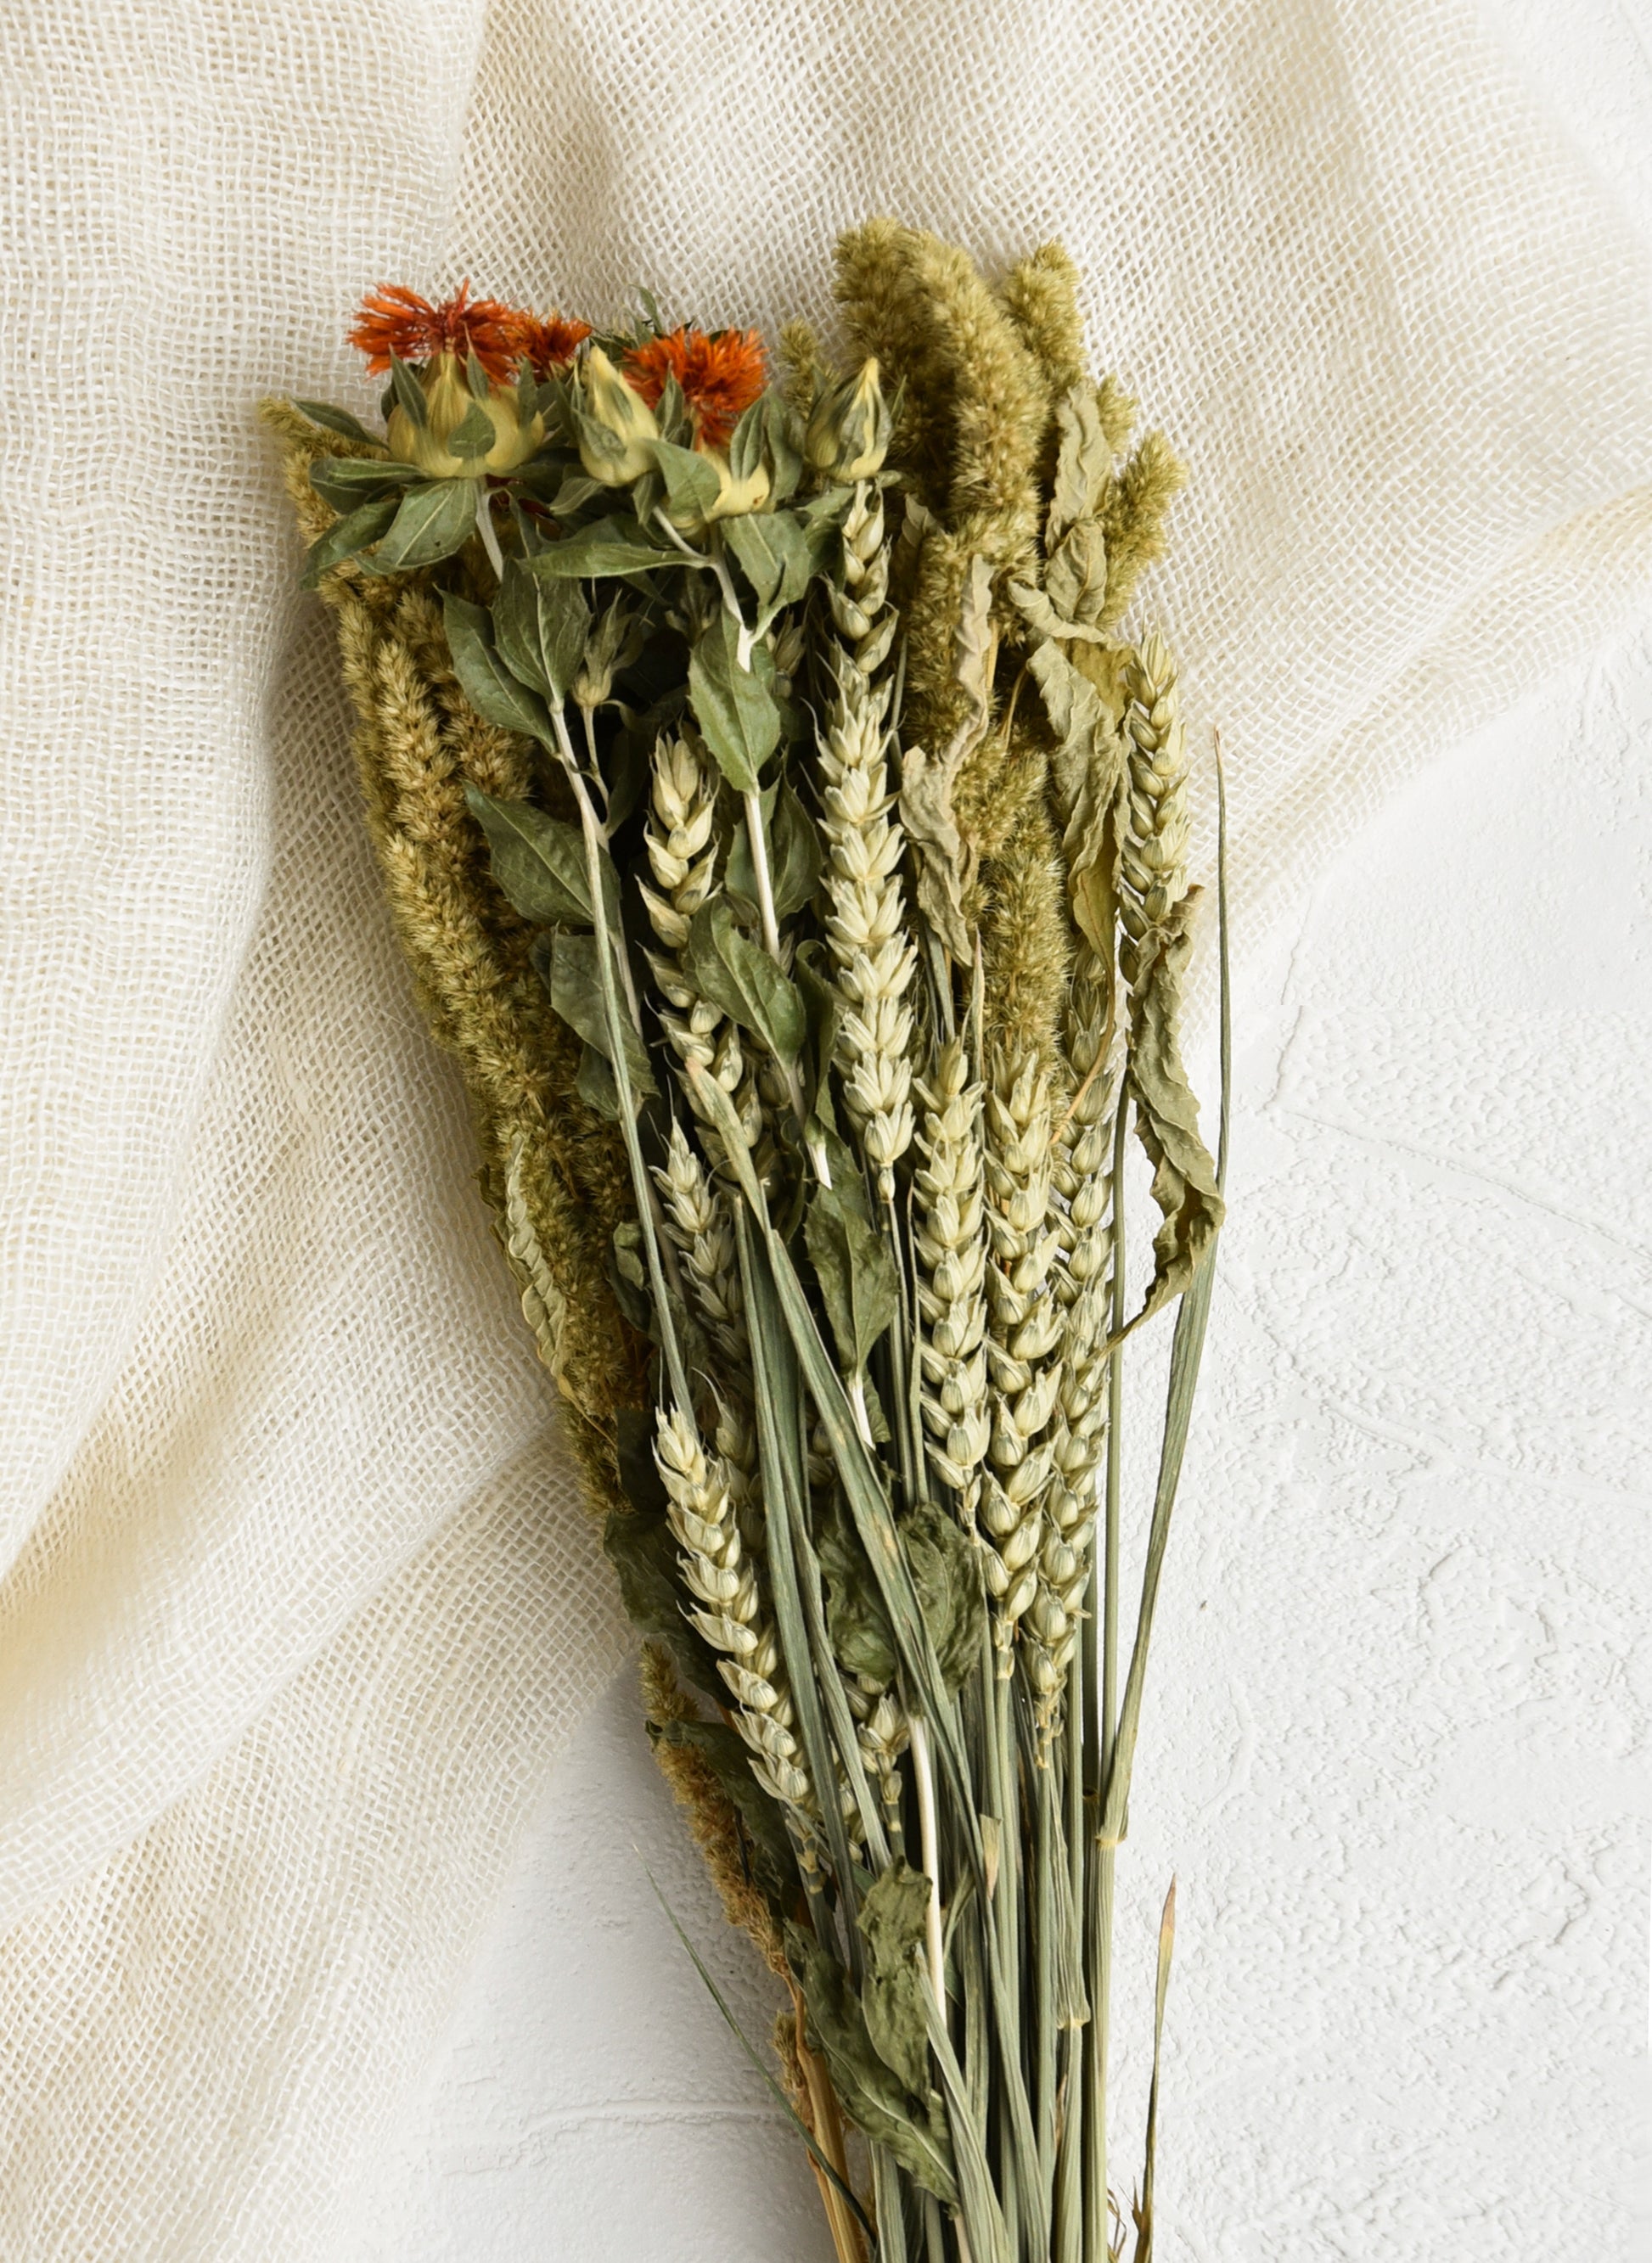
{"type": "Point", "coordinates": [734, 499]}
{"type": "Point", "coordinates": [848, 435]}
{"type": "Point", "coordinates": [453, 412]}
{"type": "Point", "coordinates": [615, 424]}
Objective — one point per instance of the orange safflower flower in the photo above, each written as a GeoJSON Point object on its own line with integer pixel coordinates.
{"type": "Point", "coordinates": [396, 320]}
{"type": "Point", "coordinates": [721, 375]}
{"type": "Point", "coordinates": [549, 341]}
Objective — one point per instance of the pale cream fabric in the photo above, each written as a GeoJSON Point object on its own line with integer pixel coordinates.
{"type": "Point", "coordinates": [297, 1602]}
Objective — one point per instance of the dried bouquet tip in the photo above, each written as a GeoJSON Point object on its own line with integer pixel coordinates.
{"type": "Point", "coordinates": [394, 321]}
{"type": "Point", "coordinates": [719, 374]}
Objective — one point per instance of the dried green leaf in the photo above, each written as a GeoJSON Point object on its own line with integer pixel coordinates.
{"type": "Point", "coordinates": [730, 970]}
{"type": "Point", "coordinates": [346, 481]}
{"type": "Point", "coordinates": [855, 1617]}
{"type": "Point", "coordinates": [794, 857]}
{"type": "Point", "coordinates": [610, 548]}
{"type": "Point", "coordinates": [823, 1004]}
{"type": "Point", "coordinates": [494, 693]}
{"type": "Point", "coordinates": [1083, 464]}
{"type": "Point", "coordinates": [775, 555]}
{"type": "Point", "coordinates": [595, 1082]}
{"type": "Point", "coordinates": [691, 478]}
{"type": "Point", "coordinates": [946, 1572]}
{"type": "Point", "coordinates": [945, 862]}
{"type": "Point", "coordinates": [1086, 770]}
{"type": "Point", "coordinates": [734, 707]}
{"type": "Point", "coordinates": [346, 536]}
{"type": "Point", "coordinates": [337, 420]}
{"type": "Point", "coordinates": [1167, 1115]}
{"type": "Point", "coordinates": [976, 649]}
{"type": "Point", "coordinates": [892, 1920]}
{"type": "Point", "coordinates": [1044, 621]}
{"type": "Point", "coordinates": [856, 1273]}
{"type": "Point", "coordinates": [871, 2094]}
{"type": "Point", "coordinates": [1075, 577]}
{"type": "Point", "coordinates": [774, 1860]}
{"type": "Point", "coordinates": [642, 1550]}
{"type": "Point", "coordinates": [537, 860]}
{"type": "Point", "coordinates": [540, 628]}
{"type": "Point", "coordinates": [433, 522]}
{"type": "Point", "coordinates": [567, 965]}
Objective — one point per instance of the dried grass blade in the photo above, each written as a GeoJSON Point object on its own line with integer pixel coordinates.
{"type": "Point", "coordinates": [741, 2037]}
{"type": "Point", "coordinates": [1144, 2211]}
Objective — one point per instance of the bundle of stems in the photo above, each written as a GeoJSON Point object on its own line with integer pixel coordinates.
{"type": "Point", "coordinates": [792, 845]}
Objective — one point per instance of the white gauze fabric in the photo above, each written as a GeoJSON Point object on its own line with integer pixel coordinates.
{"type": "Point", "coordinates": [298, 1602]}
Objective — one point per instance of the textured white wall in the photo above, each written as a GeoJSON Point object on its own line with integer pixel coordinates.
{"type": "Point", "coordinates": [1398, 1725]}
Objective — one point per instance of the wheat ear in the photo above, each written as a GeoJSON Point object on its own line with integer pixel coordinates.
{"type": "Point", "coordinates": [950, 1242]}
{"type": "Point", "coordinates": [729, 1610]}
{"type": "Point", "coordinates": [1024, 1326]}
{"type": "Point", "coordinates": [682, 855]}
{"type": "Point", "coordinates": [865, 924]}
{"type": "Point", "coordinates": [1153, 862]}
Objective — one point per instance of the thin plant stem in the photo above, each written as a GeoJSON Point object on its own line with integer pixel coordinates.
{"type": "Point", "coordinates": [1101, 1878]}
{"type": "Point", "coordinates": [929, 1842]}
{"type": "Point", "coordinates": [642, 1185]}
{"type": "Point", "coordinates": [1070, 2157]}
{"type": "Point", "coordinates": [753, 804]}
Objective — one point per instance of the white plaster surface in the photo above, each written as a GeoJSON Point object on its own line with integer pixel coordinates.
{"type": "Point", "coordinates": [1396, 1740]}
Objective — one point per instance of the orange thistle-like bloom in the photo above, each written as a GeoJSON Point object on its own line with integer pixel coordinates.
{"type": "Point", "coordinates": [549, 341]}
{"type": "Point", "coordinates": [396, 320]}
{"type": "Point", "coordinates": [721, 375]}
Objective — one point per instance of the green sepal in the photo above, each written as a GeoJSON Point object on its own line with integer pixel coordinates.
{"type": "Point", "coordinates": [745, 442]}
{"type": "Point", "coordinates": [782, 435]}
{"type": "Point", "coordinates": [409, 393]}
{"type": "Point", "coordinates": [670, 413]}
{"type": "Point", "coordinates": [474, 434]}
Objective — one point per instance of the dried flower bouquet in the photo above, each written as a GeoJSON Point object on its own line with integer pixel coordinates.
{"type": "Point", "coordinates": [791, 844]}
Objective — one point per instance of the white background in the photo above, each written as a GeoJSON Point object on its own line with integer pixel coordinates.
{"type": "Point", "coordinates": [1395, 1748]}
